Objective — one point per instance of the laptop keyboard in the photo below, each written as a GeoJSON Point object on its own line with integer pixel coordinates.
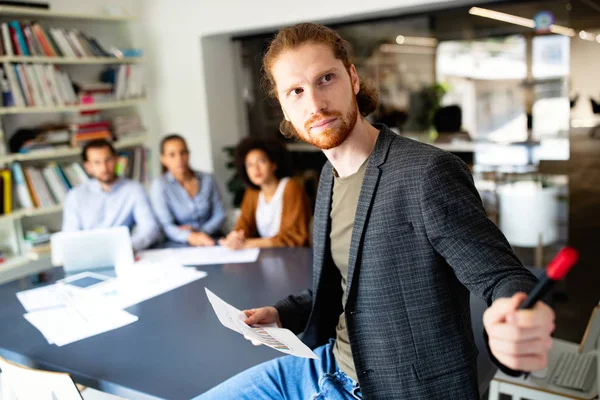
{"type": "Point", "coordinates": [575, 371]}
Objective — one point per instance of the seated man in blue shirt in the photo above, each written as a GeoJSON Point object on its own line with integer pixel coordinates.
{"type": "Point", "coordinates": [106, 200]}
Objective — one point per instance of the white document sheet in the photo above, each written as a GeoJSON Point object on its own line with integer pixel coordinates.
{"type": "Point", "coordinates": [79, 319]}
{"type": "Point", "coordinates": [280, 339]}
{"type": "Point", "coordinates": [133, 285]}
{"type": "Point", "coordinates": [145, 281]}
{"type": "Point", "coordinates": [201, 255]}
{"type": "Point", "coordinates": [40, 298]}
{"type": "Point", "coordinates": [23, 383]}
{"type": "Point", "coordinates": [64, 313]}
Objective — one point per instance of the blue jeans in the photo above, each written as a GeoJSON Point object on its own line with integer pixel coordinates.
{"type": "Point", "coordinates": [290, 378]}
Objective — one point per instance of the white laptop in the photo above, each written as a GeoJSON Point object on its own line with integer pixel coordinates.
{"type": "Point", "coordinates": [92, 249]}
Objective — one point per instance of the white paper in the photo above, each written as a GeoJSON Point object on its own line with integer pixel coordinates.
{"type": "Point", "coordinates": [144, 282]}
{"type": "Point", "coordinates": [201, 255]}
{"type": "Point", "coordinates": [40, 298]}
{"type": "Point", "coordinates": [24, 383]}
{"type": "Point", "coordinates": [65, 313]}
{"type": "Point", "coordinates": [133, 285]}
{"type": "Point", "coordinates": [79, 320]}
{"type": "Point", "coordinates": [280, 339]}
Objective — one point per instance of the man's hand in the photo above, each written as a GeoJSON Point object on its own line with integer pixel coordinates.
{"type": "Point", "coordinates": [519, 339]}
{"type": "Point", "coordinates": [235, 240]}
{"type": "Point", "coordinates": [185, 227]}
{"type": "Point", "coordinates": [200, 239]}
{"type": "Point", "coordinates": [261, 316]}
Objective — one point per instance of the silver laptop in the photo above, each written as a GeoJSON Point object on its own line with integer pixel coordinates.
{"type": "Point", "coordinates": [93, 249]}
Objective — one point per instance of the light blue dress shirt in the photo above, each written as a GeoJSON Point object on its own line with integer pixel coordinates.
{"type": "Point", "coordinates": [174, 206]}
{"type": "Point", "coordinates": [87, 206]}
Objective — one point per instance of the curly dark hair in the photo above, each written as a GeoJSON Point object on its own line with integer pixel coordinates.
{"type": "Point", "coordinates": [273, 148]}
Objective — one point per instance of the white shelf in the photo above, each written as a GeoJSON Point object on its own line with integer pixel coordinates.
{"type": "Point", "coordinates": [41, 211]}
{"type": "Point", "coordinates": [13, 262]}
{"type": "Point", "coordinates": [9, 217]}
{"type": "Point", "coordinates": [132, 141]}
{"type": "Point", "coordinates": [70, 60]}
{"type": "Point", "coordinates": [76, 108]}
{"type": "Point", "coordinates": [41, 13]}
{"type": "Point", "coordinates": [18, 267]}
{"type": "Point", "coordinates": [31, 212]}
{"type": "Point", "coordinates": [137, 140]}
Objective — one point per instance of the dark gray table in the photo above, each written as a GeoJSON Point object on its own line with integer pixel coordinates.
{"type": "Point", "coordinates": [177, 349]}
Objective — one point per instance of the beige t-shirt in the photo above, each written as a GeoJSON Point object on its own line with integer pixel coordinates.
{"type": "Point", "coordinates": [343, 209]}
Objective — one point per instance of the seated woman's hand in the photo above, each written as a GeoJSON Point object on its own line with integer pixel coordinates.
{"type": "Point", "coordinates": [234, 241]}
{"type": "Point", "coordinates": [200, 239]}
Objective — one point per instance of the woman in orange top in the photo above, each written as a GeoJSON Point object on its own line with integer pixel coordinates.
{"type": "Point", "coordinates": [275, 210]}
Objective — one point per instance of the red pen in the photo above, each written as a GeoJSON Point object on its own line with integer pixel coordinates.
{"type": "Point", "coordinates": [557, 270]}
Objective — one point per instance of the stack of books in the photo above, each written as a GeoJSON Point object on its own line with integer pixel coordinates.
{"type": "Point", "coordinates": [37, 242]}
{"type": "Point", "coordinates": [48, 139]}
{"type": "Point", "coordinates": [127, 125]}
{"type": "Point", "coordinates": [86, 132]}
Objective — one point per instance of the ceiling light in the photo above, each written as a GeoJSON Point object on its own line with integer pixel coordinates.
{"type": "Point", "coordinates": [587, 36]}
{"type": "Point", "coordinates": [598, 38]}
{"type": "Point", "coordinates": [500, 16]}
{"type": "Point", "coordinates": [513, 19]}
{"type": "Point", "coordinates": [403, 49]}
{"type": "Point", "coordinates": [561, 30]}
{"type": "Point", "coordinates": [416, 41]}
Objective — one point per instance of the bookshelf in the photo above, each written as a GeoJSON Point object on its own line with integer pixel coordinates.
{"type": "Point", "coordinates": [137, 140]}
{"type": "Point", "coordinates": [20, 266]}
{"type": "Point", "coordinates": [22, 12]}
{"type": "Point", "coordinates": [70, 60]}
{"type": "Point", "coordinates": [75, 108]}
{"type": "Point", "coordinates": [58, 53]}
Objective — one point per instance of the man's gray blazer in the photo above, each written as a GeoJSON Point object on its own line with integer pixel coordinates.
{"type": "Point", "coordinates": [421, 241]}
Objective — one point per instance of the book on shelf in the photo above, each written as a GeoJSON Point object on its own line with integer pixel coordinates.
{"type": "Point", "coordinates": [49, 138]}
{"type": "Point", "coordinates": [127, 125]}
{"type": "Point", "coordinates": [30, 38]}
{"type": "Point", "coordinates": [37, 85]}
{"type": "Point", "coordinates": [25, 4]}
{"type": "Point", "coordinates": [47, 186]}
{"type": "Point", "coordinates": [6, 195]}
{"type": "Point", "coordinates": [44, 138]}
{"type": "Point", "coordinates": [43, 85]}
{"type": "Point", "coordinates": [133, 164]}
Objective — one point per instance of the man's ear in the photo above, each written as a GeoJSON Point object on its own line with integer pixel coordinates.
{"type": "Point", "coordinates": [354, 79]}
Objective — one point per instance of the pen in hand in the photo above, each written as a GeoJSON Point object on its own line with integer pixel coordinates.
{"type": "Point", "coordinates": [556, 271]}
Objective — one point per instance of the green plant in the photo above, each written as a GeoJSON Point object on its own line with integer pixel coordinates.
{"type": "Point", "coordinates": [425, 103]}
{"type": "Point", "coordinates": [235, 185]}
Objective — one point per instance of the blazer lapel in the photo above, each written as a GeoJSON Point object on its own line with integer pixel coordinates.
{"type": "Point", "coordinates": [322, 222]}
{"type": "Point", "coordinates": [365, 202]}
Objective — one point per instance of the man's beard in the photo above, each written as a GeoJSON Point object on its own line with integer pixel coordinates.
{"type": "Point", "coordinates": [328, 138]}
{"type": "Point", "coordinates": [108, 180]}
